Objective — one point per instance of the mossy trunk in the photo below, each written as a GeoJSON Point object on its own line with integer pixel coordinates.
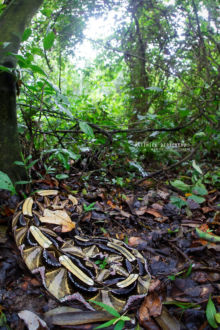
{"type": "Point", "coordinates": [13, 22]}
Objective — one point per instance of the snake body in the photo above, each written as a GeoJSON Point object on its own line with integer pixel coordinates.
{"type": "Point", "coordinates": [75, 267]}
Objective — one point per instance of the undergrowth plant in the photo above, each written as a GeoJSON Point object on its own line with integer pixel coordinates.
{"type": "Point", "coordinates": [118, 320]}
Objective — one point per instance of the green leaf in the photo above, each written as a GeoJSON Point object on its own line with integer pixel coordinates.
{"type": "Point", "coordinates": [37, 69]}
{"type": "Point", "coordinates": [196, 167]}
{"type": "Point", "coordinates": [207, 236]}
{"type": "Point", "coordinates": [217, 317]}
{"type": "Point", "coordinates": [172, 277]}
{"type": "Point", "coordinates": [181, 185]}
{"type": "Point", "coordinates": [6, 183]}
{"type": "Point", "coordinates": [85, 128]}
{"type": "Point", "coordinates": [106, 324]}
{"type": "Point", "coordinates": [197, 199]}
{"type": "Point", "coordinates": [19, 163]}
{"type": "Point", "coordinates": [108, 308]}
{"type": "Point", "coordinates": [189, 270]}
{"type": "Point", "coordinates": [200, 190]}
{"type": "Point", "coordinates": [23, 182]}
{"type": "Point", "coordinates": [62, 176]}
{"type": "Point", "coordinates": [119, 325]}
{"type": "Point", "coordinates": [4, 68]}
{"type": "Point", "coordinates": [125, 318]}
{"type": "Point", "coordinates": [210, 313]}
{"type": "Point", "coordinates": [49, 40]}
{"type": "Point", "coordinates": [177, 201]}
{"type": "Point", "coordinates": [183, 305]}
{"type": "Point", "coordinates": [26, 34]}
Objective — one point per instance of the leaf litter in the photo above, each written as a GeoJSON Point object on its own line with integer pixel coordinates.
{"type": "Point", "coordinates": [181, 245]}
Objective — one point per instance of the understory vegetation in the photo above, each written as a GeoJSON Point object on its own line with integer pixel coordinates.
{"type": "Point", "coordinates": [148, 99]}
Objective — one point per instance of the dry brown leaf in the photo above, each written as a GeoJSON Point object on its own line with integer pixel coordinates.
{"type": "Point", "coordinates": [206, 209]}
{"type": "Point", "coordinates": [134, 241]}
{"type": "Point", "coordinates": [58, 217]}
{"type": "Point", "coordinates": [153, 212]}
{"type": "Point", "coordinates": [141, 210]}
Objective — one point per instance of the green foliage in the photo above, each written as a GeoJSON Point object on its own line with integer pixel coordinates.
{"type": "Point", "coordinates": [102, 263]}
{"type": "Point", "coordinates": [154, 71]}
{"type": "Point", "coordinates": [49, 40]}
{"type": "Point", "coordinates": [182, 305]}
{"type": "Point", "coordinates": [119, 320]}
{"type": "Point", "coordinates": [89, 207]}
{"type": "Point", "coordinates": [211, 313]}
{"type": "Point", "coordinates": [3, 321]}
{"type": "Point", "coordinates": [27, 164]}
{"type": "Point", "coordinates": [6, 183]}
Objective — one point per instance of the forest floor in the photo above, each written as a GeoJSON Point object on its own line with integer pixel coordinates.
{"type": "Point", "coordinates": [185, 268]}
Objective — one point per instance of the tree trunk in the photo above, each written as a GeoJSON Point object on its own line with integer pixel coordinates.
{"type": "Point", "coordinates": [13, 22]}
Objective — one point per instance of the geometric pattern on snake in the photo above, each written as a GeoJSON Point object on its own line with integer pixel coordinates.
{"type": "Point", "coordinates": [69, 265]}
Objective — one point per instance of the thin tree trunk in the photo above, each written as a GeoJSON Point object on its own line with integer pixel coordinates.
{"type": "Point", "coordinates": [13, 22]}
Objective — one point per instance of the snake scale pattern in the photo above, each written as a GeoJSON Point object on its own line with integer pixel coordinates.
{"type": "Point", "coordinates": [70, 266]}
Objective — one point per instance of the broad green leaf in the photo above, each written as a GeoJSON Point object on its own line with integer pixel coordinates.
{"type": "Point", "coordinates": [197, 199]}
{"type": "Point", "coordinates": [177, 201]}
{"type": "Point", "coordinates": [37, 69]}
{"type": "Point", "coordinates": [37, 51]}
{"type": "Point", "coordinates": [108, 308]}
{"type": "Point", "coordinates": [49, 40]}
{"type": "Point", "coordinates": [46, 12]}
{"type": "Point", "coordinates": [196, 167]}
{"type": "Point", "coordinates": [85, 128]}
{"type": "Point", "coordinates": [6, 183]}
{"type": "Point", "coordinates": [181, 185]}
{"type": "Point", "coordinates": [120, 325]}
{"type": "Point", "coordinates": [106, 324]}
{"type": "Point", "coordinates": [217, 317]}
{"type": "Point", "coordinates": [210, 313]}
{"type": "Point", "coordinates": [26, 34]}
{"type": "Point", "coordinates": [200, 189]}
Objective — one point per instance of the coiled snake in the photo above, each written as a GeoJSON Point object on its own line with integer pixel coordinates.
{"type": "Point", "coordinates": [70, 268]}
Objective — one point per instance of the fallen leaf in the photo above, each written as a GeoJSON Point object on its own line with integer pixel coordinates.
{"type": "Point", "coordinates": [32, 321]}
{"type": "Point", "coordinates": [134, 241]}
{"type": "Point", "coordinates": [154, 213]}
{"type": "Point", "coordinates": [157, 206]}
{"type": "Point", "coordinates": [58, 217]}
{"type": "Point", "coordinates": [206, 209]}
{"type": "Point", "coordinates": [163, 194]}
